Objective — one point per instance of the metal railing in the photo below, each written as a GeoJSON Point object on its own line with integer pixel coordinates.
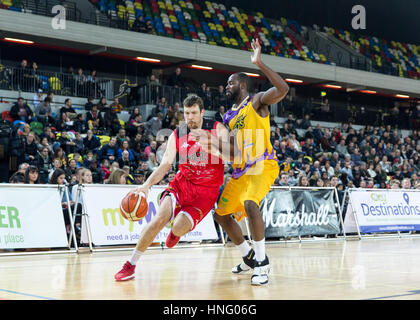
{"type": "Point", "coordinates": [30, 80]}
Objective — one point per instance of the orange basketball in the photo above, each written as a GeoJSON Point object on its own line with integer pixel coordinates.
{"type": "Point", "coordinates": [134, 206]}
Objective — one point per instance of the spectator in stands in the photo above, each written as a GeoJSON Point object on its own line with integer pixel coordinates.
{"type": "Point", "coordinates": [219, 114]}
{"type": "Point", "coordinates": [30, 148]}
{"type": "Point", "coordinates": [80, 80]}
{"type": "Point", "coordinates": [22, 76]}
{"type": "Point", "coordinates": [103, 105]}
{"type": "Point", "coordinates": [125, 160]}
{"type": "Point", "coordinates": [284, 179]}
{"type": "Point", "coordinates": [134, 125]}
{"type": "Point", "coordinates": [97, 173]}
{"type": "Point", "coordinates": [79, 125]}
{"type": "Point", "coordinates": [110, 150]}
{"type": "Point", "coordinates": [32, 175]}
{"type": "Point", "coordinates": [341, 148]}
{"type": "Point", "coordinates": [70, 169]}
{"type": "Point", "coordinates": [406, 183]}
{"type": "Point", "coordinates": [139, 25]}
{"type": "Point", "coordinates": [153, 126]}
{"type": "Point", "coordinates": [89, 103]}
{"type": "Point", "coordinates": [94, 119]}
{"type": "Point", "coordinates": [43, 161]}
{"type": "Point", "coordinates": [305, 123]}
{"type": "Point", "coordinates": [59, 154]}
{"type": "Point", "coordinates": [35, 81]}
{"type": "Point", "coordinates": [125, 146]}
{"type": "Point", "coordinates": [117, 106]}
{"type": "Point", "coordinates": [303, 181]}
{"type": "Point", "coordinates": [37, 99]}
{"type": "Point", "coordinates": [121, 137]}
{"type": "Point", "coordinates": [63, 123]}
{"type": "Point", "coordinates": [139, 177]}
{"type": "Point", "coordinates": [44, 143]}
{"type": "Point", "coordinates": [220, 97]}
{"type": "Point", "coordinates": [68, 108]}
{"type": "Point", "coordinates": [92, 84]}
{"type": "Point", "coordinates": [21, 111]}
{"type": "Point", "coordinates": [161, 107]}
{"type": "Point", "coordinates": [176, 79]}
{"type": "Point", "coordinates": [43, 112]}
{"type": "Point", "coordinates": [290, 121]}
{"type": "Point", "coordinates": [111, 122]}
{"type": "Point", "coordinates": [17, 178]}
{"type": "Point", "coordinates": [66, 143]}
{"type": "Point", "coordinates": [118, 176]}
{"type": "Point", "coordinates": [152, 164]}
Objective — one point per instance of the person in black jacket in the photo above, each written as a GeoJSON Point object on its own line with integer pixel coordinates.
{"type": "Point", "coordinates": [91, 142]}
{"type": "Point", "coordinates": [80, 124]}
{"type": "Point", "coordinates": [110, 150]}
{"type": "Point", "coordinates": [111, 121]}
{"type": "Point", "coordinates": [21, 111]}
{"type": "Point", "coordinates": [176, 79]}
{"type": "Point", "coordinates": [30, 148]}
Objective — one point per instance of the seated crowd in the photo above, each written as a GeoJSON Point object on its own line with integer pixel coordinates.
{"type": "Point", "coordinates": [341, 157]}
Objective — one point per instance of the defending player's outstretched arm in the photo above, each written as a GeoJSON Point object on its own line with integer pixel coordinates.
{"type": "Point", "coordinates": [280, 87]}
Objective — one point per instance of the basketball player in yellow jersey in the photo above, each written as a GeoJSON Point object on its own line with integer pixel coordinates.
{"type": "Point", "coordinates": [256, 168]}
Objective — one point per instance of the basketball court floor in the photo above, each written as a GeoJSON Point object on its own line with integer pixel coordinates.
{"type": "Point", "coordinates": [334, 270]}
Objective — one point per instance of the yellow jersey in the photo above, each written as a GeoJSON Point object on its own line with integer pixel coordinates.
{"type": "Point", "coordinates": [252, 136]}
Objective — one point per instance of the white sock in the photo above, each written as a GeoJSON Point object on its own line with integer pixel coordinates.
{"type": "Point", "coordinates": [135, 257]}
{"type": "Point", "coordinates": [259, 247]}
{"type": "Point", "coordinates": [244, 248]}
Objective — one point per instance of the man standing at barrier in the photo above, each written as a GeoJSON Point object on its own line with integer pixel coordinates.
{"type": "Point", "coordinates": [256, 169]}
{"type": "Point", "coordinates": [194, 190]}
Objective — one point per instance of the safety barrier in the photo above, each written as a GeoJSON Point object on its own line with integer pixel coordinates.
{"type": "Point", "coordinates": [382, 213]}
{"type": "Point", "coordinates": [32, 217]}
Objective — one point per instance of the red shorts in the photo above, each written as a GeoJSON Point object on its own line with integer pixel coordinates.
{"type": "Point", "coordinates": [192, 200]}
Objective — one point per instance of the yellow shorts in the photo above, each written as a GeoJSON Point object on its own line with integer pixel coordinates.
{"type": "Point", "coordinates": [249, 186]}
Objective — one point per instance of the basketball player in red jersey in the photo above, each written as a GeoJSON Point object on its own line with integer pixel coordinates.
{"type": "Point", "coordinates": [192, 193]}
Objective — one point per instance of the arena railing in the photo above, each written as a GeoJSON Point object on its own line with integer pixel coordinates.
{"type": "Point", "coordinates": [28, 80]}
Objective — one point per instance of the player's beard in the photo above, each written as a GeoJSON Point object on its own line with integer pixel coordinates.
{"type": "Point", "coordinates": [233, 95]}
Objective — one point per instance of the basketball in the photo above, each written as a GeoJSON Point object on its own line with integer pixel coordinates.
{"type": "Point", "coordinates": [134, 206]}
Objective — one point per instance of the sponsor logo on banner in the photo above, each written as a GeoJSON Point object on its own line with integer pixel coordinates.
{"type": "Point", "coordinates": [108, 227]}
{"type": "Point", "coordinates": [386, 211]}
{"type": "Point", "coordinates": [36, 222]}
{"type": "Point", "coordinates": [299, 212]}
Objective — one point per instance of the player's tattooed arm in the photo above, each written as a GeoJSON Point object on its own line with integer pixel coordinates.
{"type": "Point", "coordinates": [280, 87]}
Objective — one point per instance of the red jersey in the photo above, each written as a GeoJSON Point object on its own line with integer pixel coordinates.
{"type": "Point", "coordinates": [194, 163]}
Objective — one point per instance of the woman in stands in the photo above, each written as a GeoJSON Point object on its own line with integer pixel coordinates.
{"type": "Point", "coordinates": [31, 175]}
{"type": "Point", "coordinates": [118, 176]}
{"type": "Point", "coordinates": [44, 163]}
{"type": "Point", "coordinates": [152, 162]}
{"type": "Point", "coordinates": [126, 147]}
{"type": "Point", "coordinates": [59, 154]}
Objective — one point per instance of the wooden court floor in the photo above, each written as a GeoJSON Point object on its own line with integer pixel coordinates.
{"type": "Point", "coordinates": [334, 270]}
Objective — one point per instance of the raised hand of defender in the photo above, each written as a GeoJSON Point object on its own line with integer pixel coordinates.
{"type": "Point", "coordinates": [256, 55]}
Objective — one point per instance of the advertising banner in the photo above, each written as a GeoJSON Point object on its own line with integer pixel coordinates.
{"type": "Point", "coordinates": [108, 227]}
{"type": "Point", "coordinates": [384, 210]}
{"type": "Point", "coordinates": [294, 212]}
{"type": "Point", "coordinates": [31, 218]}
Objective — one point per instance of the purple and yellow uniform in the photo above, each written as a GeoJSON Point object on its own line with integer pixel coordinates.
{"type": "Point", "coordinates": [255, 167]}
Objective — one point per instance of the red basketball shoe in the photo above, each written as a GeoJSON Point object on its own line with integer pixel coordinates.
{"type": "Point", "coordinates": [126, 273]}
{"type": "Point", "coordinates": [171, 240]}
